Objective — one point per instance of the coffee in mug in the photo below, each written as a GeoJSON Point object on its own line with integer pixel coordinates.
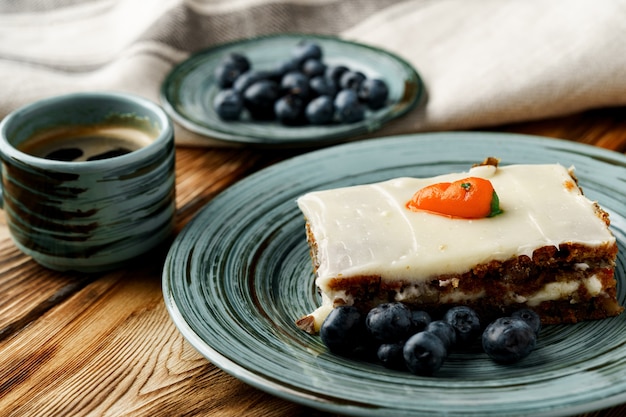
{"type": "Point", "coordinates": [88, 143]}
{"type": "Point", "coordinates": [88, 179]}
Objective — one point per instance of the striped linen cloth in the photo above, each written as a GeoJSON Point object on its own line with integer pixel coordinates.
{"type": "Point", "coordinates": [484, 62]}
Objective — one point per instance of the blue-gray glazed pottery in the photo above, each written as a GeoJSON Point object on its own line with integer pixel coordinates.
{"type": "Point", "coordinates": [88, 216]}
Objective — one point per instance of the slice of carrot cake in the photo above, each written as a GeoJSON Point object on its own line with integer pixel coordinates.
{"type": "Point", "coordinates": [496, 238]}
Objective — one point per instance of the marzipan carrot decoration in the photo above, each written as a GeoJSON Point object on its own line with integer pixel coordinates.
{"type": "Point", "coordinates": [469, 198]}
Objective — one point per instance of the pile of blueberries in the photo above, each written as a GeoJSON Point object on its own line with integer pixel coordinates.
{"type": "Point", "coordinates": [410, 340]}
{"type": "Point", "coordinates": [301, 90]}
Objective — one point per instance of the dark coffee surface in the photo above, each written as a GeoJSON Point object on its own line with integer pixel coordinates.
{"type": "Point", "coordinates": [86, 143]}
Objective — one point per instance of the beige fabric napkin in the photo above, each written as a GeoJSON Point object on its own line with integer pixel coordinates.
{"type": "Point", "coordinates": [491, 61]}
{"type": "Point", "coordinates": [484, 62]}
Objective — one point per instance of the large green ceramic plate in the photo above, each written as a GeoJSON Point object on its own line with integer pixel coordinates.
{"type": "Point", "coordinates": [239, 275]}
{"type": "Point", "coordinates": [187, 92]}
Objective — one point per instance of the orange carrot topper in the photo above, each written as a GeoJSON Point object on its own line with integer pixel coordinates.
{"type": "Point", "coordinates": [469, 198]}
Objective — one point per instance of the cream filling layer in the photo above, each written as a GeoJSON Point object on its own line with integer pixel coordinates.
{"type": "Point", "coordinates": [552, 291]}
{"type": "Point", "coordinates": [562, 290]}
{"type": "Point", "coordinates": [367, 230]}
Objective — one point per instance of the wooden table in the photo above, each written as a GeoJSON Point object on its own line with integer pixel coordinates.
{"type": "Point", "coordinates": [74, 345]}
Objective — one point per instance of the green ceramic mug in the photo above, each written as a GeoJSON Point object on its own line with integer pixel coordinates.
{"type": "Point", "coordinates": [88, 180]}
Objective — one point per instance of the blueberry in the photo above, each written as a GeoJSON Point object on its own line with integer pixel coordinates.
{"type": "Point", "coordinates": [295, 82]}
{"type": "Point", "coordinates": [230, 68]}
{"type": "Point", "coordinates": [240, 61]}
{"type": "Point", "coordinates": [289, 110]}
{"type": "Point", "coordinates": [444, 331]}
{"type": "Point", "coordinates": [419, 320]}
{"type": "Point", "coordinates": [228, 104]}
{"type": "Point", "coordinates": [226, 73]}
{"type": "Point", "coordinates": [320, 110]}
{"type": "Point", "coordinates": [259, 99]}
{"type": "Point", "coordinates": [306, 50]}
{"type": "Point", "coordinates": [508, 340]}
{"type": "Point", "coordinates": [248, 78]}
{"type": "Point", "coordinates": [465, 321]}
{"type": "Point", "coordinates": [313, 68]}
{"type": "Point", "coordinates": [321, 86]}
{"type": "Point", "coordinates": [343, 330]}
{"type": "Point", "coordinates": [351, 80]}
{"type": "Point", "coordinates": [334, 72]}
{"type": "Point", "coordinates": [389, 322]}
{"type": "Point", "coordinates": [530, 317]}
{"type": "Point", "coordinates": [424, 353]}
{"type": "Point", "coordinates": [347, 107]}
{"type": "Point", "coordinates": [283, 68]}
{"type": "Point", "coordinates": [374, 93]}
{"type": "Point", "coordinates": [391, 355]}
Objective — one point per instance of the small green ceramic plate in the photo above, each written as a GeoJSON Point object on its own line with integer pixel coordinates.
{"type": "Point", "coordinates": [239, 275]}
{"type": "Point", "coordinates": [187, 92]}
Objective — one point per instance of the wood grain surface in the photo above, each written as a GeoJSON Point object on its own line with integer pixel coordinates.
{"type": "Point", "coordinates": [104, 345]}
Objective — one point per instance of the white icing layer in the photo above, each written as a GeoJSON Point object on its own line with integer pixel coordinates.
{"type": "Point", "coordinates": [367, 230]}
